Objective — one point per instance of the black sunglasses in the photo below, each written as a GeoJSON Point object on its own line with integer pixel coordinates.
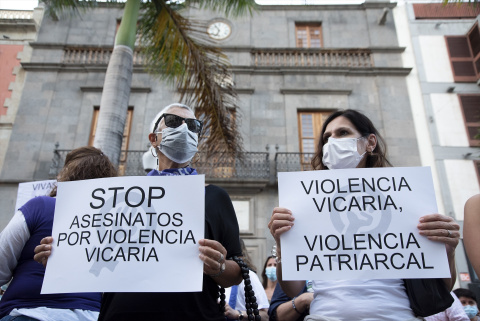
{"type": "Point", "coordinates": [173, 121]}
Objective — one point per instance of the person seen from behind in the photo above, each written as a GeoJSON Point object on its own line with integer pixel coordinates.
{"type": "Point", "coordinates": [32, 222]}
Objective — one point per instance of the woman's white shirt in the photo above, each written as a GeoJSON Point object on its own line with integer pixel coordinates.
{"type": "Point", "coordinates": [257, 287]}
{"type": "Point", "coordinates": [12, 241]}
{"type": "Point", "coordinates": [367, 300]}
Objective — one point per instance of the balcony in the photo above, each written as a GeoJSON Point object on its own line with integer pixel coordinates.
{"type": "Point", "coordinates": [251, 171]}
{"type": "Point", "coordinates": [94, 56]}
{"type": "Point", "coordinates": [252, 166]}
{"type": "Point", "coordinates": [293, 162]}
{"type": "Point", "coordinates": [301, 57]}
{"type": "Point", "coordinates": [289, 57]}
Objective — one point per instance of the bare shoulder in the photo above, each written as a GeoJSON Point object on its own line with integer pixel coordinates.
{"type": "Point", "coordinates": [473, 203]}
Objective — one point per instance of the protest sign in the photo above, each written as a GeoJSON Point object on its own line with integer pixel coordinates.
{"type": "Point", "coordinates": [127, 234]}
{"type": "Point", "coordinates": [359, 224]}
{"type": "Point", "coordinates": [28, 190]}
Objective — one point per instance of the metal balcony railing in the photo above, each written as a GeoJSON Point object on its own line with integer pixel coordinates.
{"type": "Point", "coordinates": [301, 57]}
{"type": "Point", "coordinates": [293, 162]}
{"type": "Point", "coordinates": [252, 165]}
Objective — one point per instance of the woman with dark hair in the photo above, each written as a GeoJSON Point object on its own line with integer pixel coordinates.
{"type": "Point", "coordinates": [269, 276]}
{"type": "Point", "coordinates": [349, 140]}
{"type": "Point", "coordinates": [32, 222]}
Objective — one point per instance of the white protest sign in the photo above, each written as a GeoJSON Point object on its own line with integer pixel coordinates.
{"type": "Point", "coordinates": [359, 224]}
{"type": "Point", "coordinates": [28, 190]}
{"type": "Point", "coordinates": [127, 234]}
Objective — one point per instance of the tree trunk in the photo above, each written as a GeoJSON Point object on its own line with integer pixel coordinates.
{"type": "Point", "coordinates": [116, 89]}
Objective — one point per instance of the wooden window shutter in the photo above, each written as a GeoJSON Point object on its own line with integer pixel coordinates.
{"type": "Point", "coordinates": [470, 105]}
{"type": "Point", "coordinates": [461, 59]}
{"type": "Point", "coordinates": [474, 40]}
{"type": "Point", "coordinates": [301, 36]}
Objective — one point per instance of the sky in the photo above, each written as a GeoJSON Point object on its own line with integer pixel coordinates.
{"type": "Point", "coordinates": [30, 4]}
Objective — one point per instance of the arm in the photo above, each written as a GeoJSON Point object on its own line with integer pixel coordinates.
{"type": "Point", "coordinates": [444, 229]}
{"type": "Point", "coordinates": [235, 314]}
{"type": "Point", "coordinates": [471, 231]}
{"type": "Point", "coordinates": [12, 241]}
{"type": "Point", "coordinates": [281, 222]}
{"type": "Point", "coordinates": [286, 312]}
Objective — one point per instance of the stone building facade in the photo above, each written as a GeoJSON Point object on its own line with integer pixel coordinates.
{"type": "Point", "coordinates": [292, 66]}
{"type": "Point", "coordinates": [443, 43]}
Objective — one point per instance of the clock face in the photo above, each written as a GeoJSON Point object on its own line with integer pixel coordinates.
{"type": "Point", "coordinates": [219, 30]}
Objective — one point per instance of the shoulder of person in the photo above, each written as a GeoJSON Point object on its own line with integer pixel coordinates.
{"type": "Point", "coordinates": [473, 201]}
{"type": "Point", "coordinates": [214, 189]}
{"type": "Point", "coordinates": [39, 201]}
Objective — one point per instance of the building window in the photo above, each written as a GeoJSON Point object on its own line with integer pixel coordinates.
{"type": "Point", "coordinates": [470, 105]}
{"type": "Point", "coordinates": [126, 135]}
{"type": "Point", "coordinates": [308, 35]}
{"type": "Point", "coordinates": [309, 128]}
{"type": "Point", "coordinates": [464, 53]}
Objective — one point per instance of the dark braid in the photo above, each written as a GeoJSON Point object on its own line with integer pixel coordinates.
{"type": "Point", "coordinates": [250, 299]}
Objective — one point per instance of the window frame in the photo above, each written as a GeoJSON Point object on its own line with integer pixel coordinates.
{"type": "Point", "coordinates": [309, 28]}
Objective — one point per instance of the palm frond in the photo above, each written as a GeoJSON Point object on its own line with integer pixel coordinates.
{"type": "Point", "coordinates": [179, 49]}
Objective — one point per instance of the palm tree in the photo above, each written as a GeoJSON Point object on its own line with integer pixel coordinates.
{"type": "Point", "coordinates": [176, 49]}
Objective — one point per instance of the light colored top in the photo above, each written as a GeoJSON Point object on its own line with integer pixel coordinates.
{"type": "Point", "coordinates": [257, 286]}
{"type": "Point", "coordinates": [12, 241]}
{"type": "Point", "coordinates": [453, 313]}
{"type": "Point", "coordinates": [367, 300]}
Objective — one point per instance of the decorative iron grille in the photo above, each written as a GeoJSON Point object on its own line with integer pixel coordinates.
{"type": "Point", "coordinates": [293, 162]}
{"type": "Point", "coordinates": [250, 166]}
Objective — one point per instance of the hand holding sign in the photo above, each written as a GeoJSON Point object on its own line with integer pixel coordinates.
{"type": "Point", "coordinates": [43, 251]}
{"type": "Point", "coordinates": [281, 221]}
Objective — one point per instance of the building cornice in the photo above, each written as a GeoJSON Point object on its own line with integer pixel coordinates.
{"type": "Point", "coordinates": [99, 89]}
{"type": "Point", "coordinates": [362, 6]}
{"type": "Point", "coordinates": [375, 71]}
{"type": "Point", "coordinates": [305, 91]}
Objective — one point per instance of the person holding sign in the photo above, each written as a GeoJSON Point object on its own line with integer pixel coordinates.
{"type": "Point", "coordinates": [174, 138]}
{"type": "Point", "coordinates": [471, 231]}
{"type": "Point", "coordinates": [350, 140]}
{"type": "Point", "coordinates": [32, 222]}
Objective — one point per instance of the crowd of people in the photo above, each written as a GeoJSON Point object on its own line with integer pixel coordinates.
{"type": "Point", "coordinates": [348, 140]}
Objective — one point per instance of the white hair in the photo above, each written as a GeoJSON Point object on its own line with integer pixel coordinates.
{"type": "Point", "coordinates": [164, 110]}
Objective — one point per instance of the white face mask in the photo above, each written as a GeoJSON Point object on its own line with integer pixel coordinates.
{"type": "Point", "coordinates": [178, 144]}
{"type": "Point", "coordinates": [339, 153]}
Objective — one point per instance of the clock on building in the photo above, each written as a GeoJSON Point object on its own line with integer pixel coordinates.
{"type": "Point", "coordinates": [219, 30]}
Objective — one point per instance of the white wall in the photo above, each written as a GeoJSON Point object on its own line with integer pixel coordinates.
{"type": "Point", "coordinates": [449, 120]}
{"type": "Point", "coordinates": [435, 59]}
{"type": "Point", "coordinates": [463, 183]}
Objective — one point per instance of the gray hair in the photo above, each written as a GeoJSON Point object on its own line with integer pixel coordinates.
{"type": "Point", "coordinates": [164, 110]}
